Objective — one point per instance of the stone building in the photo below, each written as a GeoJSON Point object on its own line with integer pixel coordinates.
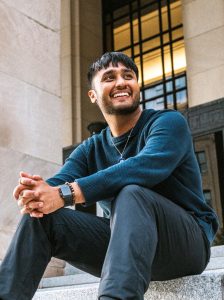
{"type": "Point", "coordinates": [45, 49]}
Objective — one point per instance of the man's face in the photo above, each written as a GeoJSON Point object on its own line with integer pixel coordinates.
{"type": "Point", "coordinates": [115, 90]}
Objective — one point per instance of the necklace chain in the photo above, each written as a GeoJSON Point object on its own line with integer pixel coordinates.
{"type": "Point", "coordinates": [122, 153]}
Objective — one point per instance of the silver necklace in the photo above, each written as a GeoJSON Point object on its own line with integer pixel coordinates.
{"type": "Point", "coordinates": [122, 153]}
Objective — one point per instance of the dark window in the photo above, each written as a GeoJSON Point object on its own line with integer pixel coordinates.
{"type": "Point", "coordinates": [208, 197]}
{"type": "Point", "coordinates": [202, 162]}
{"type": "Point", "coordinates": [151, 32]}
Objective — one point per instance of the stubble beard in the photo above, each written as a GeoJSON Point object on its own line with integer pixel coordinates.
{"type": "Point", "coordinates": [118, 111]}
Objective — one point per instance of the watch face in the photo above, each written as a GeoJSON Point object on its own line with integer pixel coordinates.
{"type": "Point", "coordinates": [66, 194]}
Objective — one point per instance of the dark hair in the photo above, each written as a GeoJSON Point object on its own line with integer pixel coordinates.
{"type": "Point", "coordinates": [114, 58]}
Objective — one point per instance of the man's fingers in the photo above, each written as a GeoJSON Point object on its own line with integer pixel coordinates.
{"type": "Point", "coordinates": [24, 184]}
{"type": "Point", "coordinates": [34, 205]}
{"type": "Point", "coordinates": [31, 206]}
{"type": "Point", "coordinates": [24, 211]}
{"type": "Point", "coordinates": [27, 175]}
{"type": "Point", "coordinates": [37, 177]}
{"type": "Point", "coordinates": [36, 214]}
{"type": "Point", "coordinates": [32, 213]}
{"type": "Point", "coordinates": [30, 194]}
{"type": "Point", "coordinates": [17, 191]}
{"type": "Point", "coordinates": [27, 181]}
{"type": "Point", "coordinates": [24, 174]}
{"type": "Point", "coordinates": [26, 197]}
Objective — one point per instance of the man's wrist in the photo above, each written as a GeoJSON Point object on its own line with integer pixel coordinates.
{"type": "Point", "coordinates": [72, 191]}
{"type": "Point", "coordinates": [66, 194]}
{"type": "Point", "coordinates": [79, 196]}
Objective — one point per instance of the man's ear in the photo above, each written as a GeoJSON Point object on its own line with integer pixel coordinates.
{"type": "Point", "coordinates": [92, 96]}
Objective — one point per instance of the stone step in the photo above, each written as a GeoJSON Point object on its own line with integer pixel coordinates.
{"type": "Point", "coordinates": [80, 285]}
{"type": "Point", "coordinates": [207, 286]}
{"type": "Point", "coordinates": [217, 251]}
{"type": "Point", "coordinates": [69, 280]}
{"type": "Point", "coordinates": [216, 262]}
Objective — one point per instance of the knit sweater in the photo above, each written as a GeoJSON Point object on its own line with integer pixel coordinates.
{"type": "Point", "coordinates": [159, 156]}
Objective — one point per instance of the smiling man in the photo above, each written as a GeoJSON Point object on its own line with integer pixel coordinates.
{"type": "Point", "coordinates": [143, 172]}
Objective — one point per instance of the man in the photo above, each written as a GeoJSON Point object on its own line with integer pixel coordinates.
{"type": "Point", "coordinates": [142, 170]}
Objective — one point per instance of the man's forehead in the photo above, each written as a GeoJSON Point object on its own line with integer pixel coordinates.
{"type": "Point", "coordinates": [115, 68]}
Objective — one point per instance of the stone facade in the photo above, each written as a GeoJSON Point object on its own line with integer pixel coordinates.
{"type": "Point", "coordinates": [45, 48]}
{"type": "Point", "coordinates": [30, 99]}
{"type": "Point", "coordinates": [204, 41]}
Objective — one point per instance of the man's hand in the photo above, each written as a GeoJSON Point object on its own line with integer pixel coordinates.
{"type": "Point", "coordinates": [21, 186]}
{"type": "Point", "coordinates": [35, 196]}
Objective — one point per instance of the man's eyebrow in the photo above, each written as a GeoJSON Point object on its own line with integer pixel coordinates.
{"type": "Point", "coordinates": [109, 72]}
{"type": "Point", "coordinates": [126, 70]}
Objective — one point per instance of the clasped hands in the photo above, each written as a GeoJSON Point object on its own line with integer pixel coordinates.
{"type": "Point", "coordinates": [35, 196]}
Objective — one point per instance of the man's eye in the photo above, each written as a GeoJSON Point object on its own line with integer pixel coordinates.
{"type": "Point", "coordinates": [128, 76]}
{"type": "Point", "coordinates": [109, 78]}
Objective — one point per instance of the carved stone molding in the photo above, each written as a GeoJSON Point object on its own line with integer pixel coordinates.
{"type": "Point", "coordinates": [206, 118]}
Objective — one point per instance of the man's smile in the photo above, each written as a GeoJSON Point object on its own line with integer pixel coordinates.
{"type": "Point", "coordinates": [120, 95]}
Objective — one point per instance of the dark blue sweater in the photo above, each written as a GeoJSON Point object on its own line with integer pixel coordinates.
{"type": "Point", "coordinates": [159, 156]}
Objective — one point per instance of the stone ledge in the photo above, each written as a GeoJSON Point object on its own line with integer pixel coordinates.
{"type": "Point", "coordinates": [216, 262]}
{"type": "Point", "coordinates": [208, 285]}
{"type": "Point", "coordinates": [217, 251]}
{"type": "Point", "coordinates": [69, 280]}
{"type": "Point", "coordinates": [82, 292]}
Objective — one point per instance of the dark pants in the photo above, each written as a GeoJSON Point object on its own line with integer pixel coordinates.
{"type": "Point", "coordinates": [148, 238]}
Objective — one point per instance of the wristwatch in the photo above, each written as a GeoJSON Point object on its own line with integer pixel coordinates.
{"type": "Point", "coordinates": [66, 192]}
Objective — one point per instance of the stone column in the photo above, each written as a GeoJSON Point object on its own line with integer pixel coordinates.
{"type": "Point", "coordinates": [86, 41]}
{"type": "Point", "coordinates": [204, 40]}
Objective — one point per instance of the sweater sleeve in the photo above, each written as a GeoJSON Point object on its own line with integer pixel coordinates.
{"type": "Point", "coordinates": [167, 144]}
{"type": "Point", "coordinates": [74, 167]}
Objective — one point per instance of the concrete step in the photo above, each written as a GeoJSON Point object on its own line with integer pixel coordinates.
{"type": "Point", "coordinates": [216, 262]}
{"type": "Point", "coordinates": [217, 251]}
{"type": "Point", "coordinates": [69, 280]}
{"type": "Point", "coordinates": [207, 286]}
{"type": "Point", "coordinates": [82, 286]}
{"type": "Point", "coordinates": [79, 285]}
{"type": "Point", "coordinates": [217, 258]}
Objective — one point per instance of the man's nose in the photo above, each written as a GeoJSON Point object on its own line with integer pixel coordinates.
{"type": "Point", "coordinates": [120, 81]}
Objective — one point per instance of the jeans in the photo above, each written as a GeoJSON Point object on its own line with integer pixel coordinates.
{"type": "Point", "coordinates": [147, 238]}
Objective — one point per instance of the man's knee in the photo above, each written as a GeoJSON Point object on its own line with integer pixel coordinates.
{"type": "Point", "coordinates": [129, 190]}
{"type": "Point", "coordinates": [47, 222]}
{"type": "Point", "coordinates": [138, 193]}
{"type": "Point", "coordinates": [134, 197]}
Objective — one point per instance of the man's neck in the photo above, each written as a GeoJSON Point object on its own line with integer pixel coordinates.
{"type": "Point", "coordinates": [119, 124]}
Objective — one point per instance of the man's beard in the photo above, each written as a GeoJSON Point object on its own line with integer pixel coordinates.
{"type": "Point", "coordinates": [111, 110]}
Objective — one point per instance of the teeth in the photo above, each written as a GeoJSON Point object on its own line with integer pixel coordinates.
{"type": "Point", "coordinates": [120, 95]}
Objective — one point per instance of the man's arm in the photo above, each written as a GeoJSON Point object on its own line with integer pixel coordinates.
{"type": "Point", "coordinates": [168, 144]}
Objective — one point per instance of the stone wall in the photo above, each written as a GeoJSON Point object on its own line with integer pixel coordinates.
{"type": "Point", "coordinates": [45, 49]}
{"type": "Point", "coordinates": [30, 100]}
{"type": "Point", "coordinates": [204, 40]}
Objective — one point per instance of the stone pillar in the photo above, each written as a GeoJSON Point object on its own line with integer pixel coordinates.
{"type": "Point", "coordinates": [204, 40]}
{"type": "Point", "coordinates": [30, 99]}
{"type": "Point", "coordinates": [86, 42]}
